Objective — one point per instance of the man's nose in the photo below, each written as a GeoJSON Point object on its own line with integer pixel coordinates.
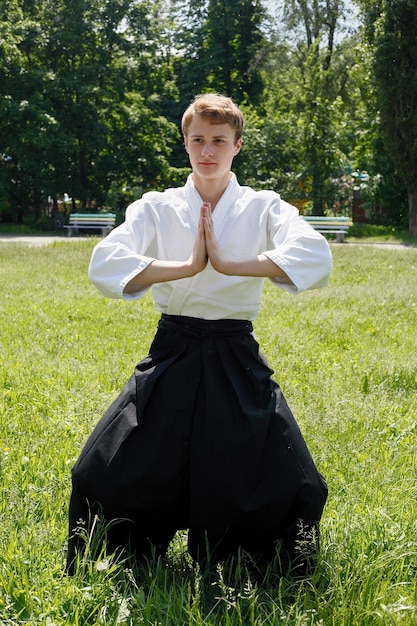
{"type": "Point", "coordinates": [207, 149]}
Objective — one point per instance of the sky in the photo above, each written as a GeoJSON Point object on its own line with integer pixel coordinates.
{"type": "Point", "coordinates": [273, 7]}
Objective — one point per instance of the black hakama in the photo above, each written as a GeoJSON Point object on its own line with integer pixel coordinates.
{"type": "Point", "coordinates": [201, 438]}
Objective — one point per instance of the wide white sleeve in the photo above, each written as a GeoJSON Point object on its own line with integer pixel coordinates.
{"type": "Point", "coordinates": [124, 253]}
{"type": "Point", "coordinates": [298, 249]}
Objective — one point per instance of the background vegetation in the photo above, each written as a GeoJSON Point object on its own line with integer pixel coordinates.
{"type": "Point", "coordinates": [91, 94]}
{"type": "Point", "coordinates": [345, 359]}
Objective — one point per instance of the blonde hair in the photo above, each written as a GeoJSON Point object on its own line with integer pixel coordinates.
{"type": "Point", "coordinates": [216, 108]}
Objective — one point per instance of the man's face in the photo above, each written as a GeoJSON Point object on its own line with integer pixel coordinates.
{"type": "Point", "coordinates": [211, 148]}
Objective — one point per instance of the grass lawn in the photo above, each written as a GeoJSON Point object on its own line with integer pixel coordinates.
{"type": "Point", "coordinates": [345, 357]}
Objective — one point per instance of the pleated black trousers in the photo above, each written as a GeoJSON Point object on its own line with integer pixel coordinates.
{"type": "Point", "coordinates": [200, 438]}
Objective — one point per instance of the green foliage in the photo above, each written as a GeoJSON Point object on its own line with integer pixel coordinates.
{"type": "Point", "coordinates": [91, 95]}
{"type": "Point", "coordinates": [313, 89]}
{"type": "Point", "coordinates": [376, 233]}
{"type": "Point", "coordinates": [390, 29]}
{"type": "Point", "coordinates": [345, 359]}
{"type": "Point", "coordinates": [78, 103]}
{"type": "Point", "coordinates": [232, 38]}
{"type": "Point", "coordinates": [221, 44]}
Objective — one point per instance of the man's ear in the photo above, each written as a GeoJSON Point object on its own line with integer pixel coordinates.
{"type": "Point", "coordinates": [185, 143]}
{"type": "Point", "coordinates": [238, 146]}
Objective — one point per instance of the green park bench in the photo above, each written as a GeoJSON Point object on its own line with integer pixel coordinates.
{"type": "Point", "coordinates": [335, 225]}
{"type": "Point", "coordinates": [96, 221]}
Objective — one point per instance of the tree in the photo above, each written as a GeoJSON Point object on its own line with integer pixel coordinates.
{"type": "Point", "coordinates": [232, 40]}
{"type": "Point", "coordinates": [102, 54]}
{"type": "Point", "coordinates": [391, 27]}
{"type": "Point", "coordinates": [221, 47]}
{"type": "Point", "coordinates": [28, 127]}
{"type": "Point", "coordinates": [83, 88]}
{"type": "Point", "coordinates": [309, 95]}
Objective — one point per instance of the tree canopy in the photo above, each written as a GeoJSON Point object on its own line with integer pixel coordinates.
{"type": "Point", "coordinates": [391, 32]}
{"type": "Point", "coordinates": [91, 96]}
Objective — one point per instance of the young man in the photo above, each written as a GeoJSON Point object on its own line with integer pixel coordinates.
{"type": "Point", "coordinates": [201, 437]}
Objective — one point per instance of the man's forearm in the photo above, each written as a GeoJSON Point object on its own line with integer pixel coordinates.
{"type": "Point", "coordinates": [259, 265]}
{"type": "Point", "coordinates": [160, 272]}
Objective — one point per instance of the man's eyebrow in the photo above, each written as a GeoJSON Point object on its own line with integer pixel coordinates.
{"type": "Point", "coordinates": [214, 136]}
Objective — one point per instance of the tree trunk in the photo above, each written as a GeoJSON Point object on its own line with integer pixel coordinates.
{"type": "Point", "coordinates": [37, 209]}
{"type": "Point", "coordinates": [412, 211]}
{"type": "Point", "coordinates": [317, 189]}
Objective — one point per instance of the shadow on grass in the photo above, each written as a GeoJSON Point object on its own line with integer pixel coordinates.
{"type": "Point", "coordinates": [174, 589]}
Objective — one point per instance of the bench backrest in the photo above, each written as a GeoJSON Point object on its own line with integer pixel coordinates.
{"type": "Point", "coordinates": [107, 219]}
{"type": "Point", "coordinates": [328, 222]}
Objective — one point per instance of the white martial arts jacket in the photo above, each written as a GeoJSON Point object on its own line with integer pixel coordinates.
{"type": "Point", "coordinates": [163, 225]}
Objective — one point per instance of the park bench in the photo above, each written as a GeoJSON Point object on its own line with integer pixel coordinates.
{"type": "Point", "coordinates": [336, 225]}
{"type": "Point", "coordinates": [96, 221]}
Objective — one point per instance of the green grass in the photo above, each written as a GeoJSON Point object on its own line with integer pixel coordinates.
{"type": "Point", "coordinates": [345, 357]}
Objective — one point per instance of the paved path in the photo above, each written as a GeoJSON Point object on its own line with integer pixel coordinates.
{"type": "Point", "coordinates": [387, 245]}
{"type": "Point", "coordinates": [35, 240]}
{"type": "Point", "coordinates": [44, 240]}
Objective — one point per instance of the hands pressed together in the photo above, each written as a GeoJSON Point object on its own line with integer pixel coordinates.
{"type": "Point", "coordinates": [206, 245]}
